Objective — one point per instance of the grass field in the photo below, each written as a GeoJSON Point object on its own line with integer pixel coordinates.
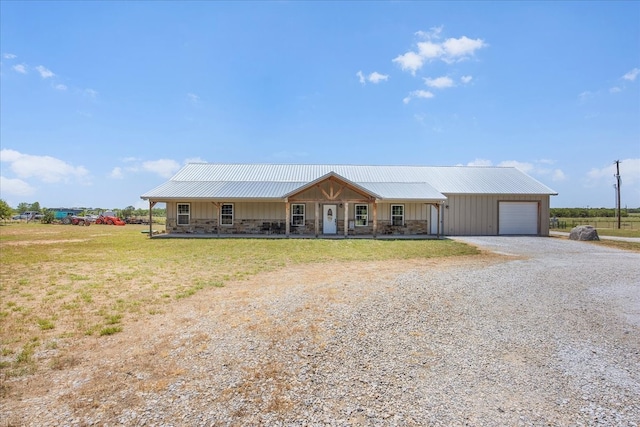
{"type": "Point", "coordinates": [629, 226]}
{"type": "Point", "coordinates": [61, 283]}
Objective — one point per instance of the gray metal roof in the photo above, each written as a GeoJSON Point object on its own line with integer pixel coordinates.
{"type": "Point", "coordinates": [260, 181]}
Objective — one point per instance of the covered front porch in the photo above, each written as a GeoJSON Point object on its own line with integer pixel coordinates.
{"type": "Point", "coordinates": [329, 207]}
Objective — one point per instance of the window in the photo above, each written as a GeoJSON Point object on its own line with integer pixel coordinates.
{"type": "Point", "coordinates": [226, 214]}
{"type": "Point", "coordinates": [362, 215]}
{"type": "Point", "coordinates": [297, 215]}
{"type": "Point", "coordinates": [397, 214]}
{"type": "Point", "coordinates": [184, 213]}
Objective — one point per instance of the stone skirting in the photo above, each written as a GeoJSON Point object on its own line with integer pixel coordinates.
{"type": "Point", "coordinates": [409, 228]}
{"type": "Point", "coordinates": [251, 226]}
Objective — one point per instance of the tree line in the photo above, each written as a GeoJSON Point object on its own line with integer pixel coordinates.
{"type": "Point", "coordinates": [6, 211]}
{"type": "Point", "coordinates": [589, 212]}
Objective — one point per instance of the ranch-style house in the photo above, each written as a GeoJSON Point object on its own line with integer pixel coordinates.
{"type": "Point", "coordinates": [352, 200]}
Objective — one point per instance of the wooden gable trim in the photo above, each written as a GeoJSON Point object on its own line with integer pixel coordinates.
{"type": "Point", "coordinates": [336, 189]}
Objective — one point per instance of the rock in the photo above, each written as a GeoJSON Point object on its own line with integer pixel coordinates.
{"type": "Point", "coordinates": [584, 232]}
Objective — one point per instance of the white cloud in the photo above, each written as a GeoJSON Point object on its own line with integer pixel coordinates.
{"type": "Point", "coordinates": [480, 162]}
{"type": "Point", "coordinates": [163, 167]}
{"type": "Point", "coordinates": [433, 33]}
{"type": "Point", "coordinates": [629, 172]}
{"type": "Point", "coordinates": [45, 73]}
{"type": "Point", "coordinates": [45, 168]}
{"type": "Point", "coordinates": [528, 168]}
{"type": "Point", "coordinates": [462, 48]}
{"type": "Point", "coordinates": [523, 166]}
{"type": "Point", "coordinates": [615, 89]}
{"type": "Point", "coordinates": [9, 56]}
{"type": "Point", "coordinates": [91, 93]}
{"type": "Point", "coordinates": [466, 79]}
{"type": "Point", "coordinates": [409, 61]}
{"type": "Point", "coordinates": [60, 86]}
{"type": "Point", "coordinates": [418, 94]}
{"type": "Point", "coordinates": [585, 96]}
{"type": "Point", "coordinates": [374, 77]}
{"type": "Point", "coordinates": [20, 68]}
{"type": "Point", "coordinates": [116, 173]}
{"type": "Point", "coordinates": [558, 175]}
{"type": "Point", "coordinates": [631, 75]}
{"type": "Point", "coordinates": [193, 97]}
{"type": "Point", "coordinates": [194, 160]}
{"type": "Point", "coordinates": [450, 51]}
{"type": "Point", "coordinates": [439, 82]}
{"type": "Point", "coordinates": [430, 50]}
{"type": "Point", "coordinates": [15, 187]}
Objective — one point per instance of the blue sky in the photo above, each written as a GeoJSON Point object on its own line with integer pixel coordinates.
{"type": "Point", "coordinates": [103, 101]}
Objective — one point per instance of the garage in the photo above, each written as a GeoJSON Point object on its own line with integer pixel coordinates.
{"type": "Point", "coordinates": [518, 218]}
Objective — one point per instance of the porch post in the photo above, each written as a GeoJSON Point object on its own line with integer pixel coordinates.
{"type": "Point", "coordinates": [217, 205]}
{"type": "Point", "coordinates": [317, 218]}
{"type": "Point", "coordinates": [375, 218]}
{"type": "Point", "coordinates": [287, 211]}
{"type": "Point", "coordinates": [346, 219]}
{"type": "Point", "coordinates": [151, 205]}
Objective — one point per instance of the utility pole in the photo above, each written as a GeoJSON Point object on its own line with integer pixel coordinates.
{"type": "Point", "coordinates": [617, 175]}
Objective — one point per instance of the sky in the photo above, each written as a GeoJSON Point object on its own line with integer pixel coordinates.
{"type": "Point", "coordinates": [101, 102]}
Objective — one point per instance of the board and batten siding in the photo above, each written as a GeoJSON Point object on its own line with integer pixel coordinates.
{"type": "Point", "coordinates": [469, 215]}
{"type": "Point", "coordinates": [412, 211]}
{"type": "Point", "coordinates": [241, 210]}
{"type": "Point", "coordinates": [276, 210]}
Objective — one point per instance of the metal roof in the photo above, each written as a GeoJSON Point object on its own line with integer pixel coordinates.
{"type": "Point", "coordinates": [259, 181]}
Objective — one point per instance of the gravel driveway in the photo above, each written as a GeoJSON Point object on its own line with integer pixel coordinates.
{"type": "Point", "coordinates": [545, 334]}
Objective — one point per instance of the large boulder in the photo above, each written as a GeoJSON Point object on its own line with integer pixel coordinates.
{"type": "Point", "coordinates": [584, 232]}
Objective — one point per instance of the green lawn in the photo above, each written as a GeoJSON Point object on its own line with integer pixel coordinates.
{"type": "Point", "coordinates": [62, 282]}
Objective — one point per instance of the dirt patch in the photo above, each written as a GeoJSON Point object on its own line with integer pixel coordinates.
{"type": "Point", "coordinates": [104, 373]}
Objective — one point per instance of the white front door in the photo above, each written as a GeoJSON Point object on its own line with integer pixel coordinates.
{"type": "Point", "coordinates": [329, 219]}
{"type": "Point", "coordinates": [434, 219]}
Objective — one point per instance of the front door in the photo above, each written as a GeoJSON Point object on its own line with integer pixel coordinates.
{"type": "Point", "coordinates": [434, 219]}
{"type": "Point", "coordinates": [330, 220]}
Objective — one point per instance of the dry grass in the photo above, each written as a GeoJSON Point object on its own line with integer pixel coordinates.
{"type": "Point", "coordinates": [63, 283]}
{"type": "Point", "coordinates": [615, 244]}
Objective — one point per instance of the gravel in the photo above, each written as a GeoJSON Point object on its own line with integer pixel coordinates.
{"type": "Point", "coordinates": [546, 335]}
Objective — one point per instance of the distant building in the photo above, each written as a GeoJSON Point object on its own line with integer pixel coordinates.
{"type": "Point", "coordinates": [60, 213]}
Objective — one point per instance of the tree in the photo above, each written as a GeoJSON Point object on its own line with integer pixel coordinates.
{"type": "Point", "coordinates": [5, 210]}
{"type": "Point", "coordinates": [23, 207]}
{"type": "Point", "coordinates": [35, 206]}
{"type": "Point", "coordinates": [127, 212]}
{"type": "Point", "coordinates": [49, 217]}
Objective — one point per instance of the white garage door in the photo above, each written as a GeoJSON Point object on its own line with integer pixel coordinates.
{"type": "Point", "coordinates": [518, 218]}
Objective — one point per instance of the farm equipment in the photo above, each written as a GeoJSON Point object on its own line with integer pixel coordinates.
{"type": "Point", "coordinates": [109, 219]}
{"type": "Point", "coordinates": [76, 220]}
{"type": "Point", "coordinates": [136, 220]}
